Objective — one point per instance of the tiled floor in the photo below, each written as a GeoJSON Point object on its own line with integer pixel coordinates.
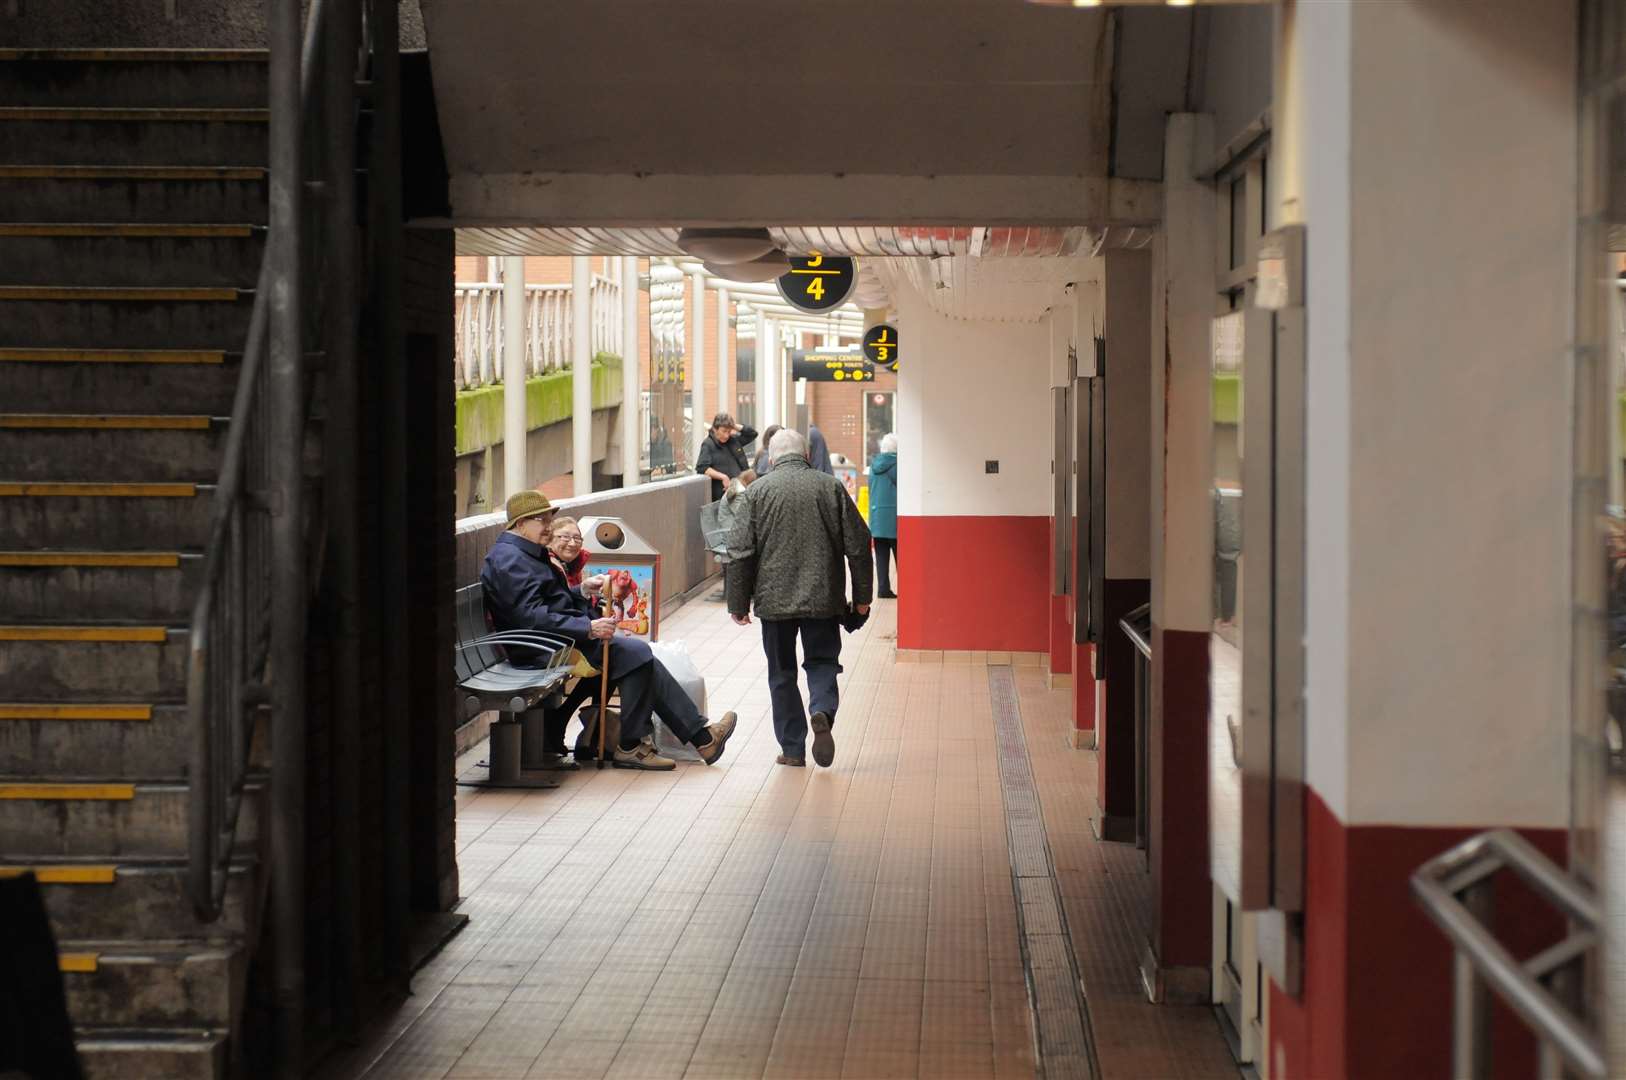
{"type": "Point", "coordinates": [752, 920]}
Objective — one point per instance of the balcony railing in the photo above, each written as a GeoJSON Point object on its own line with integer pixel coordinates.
{"type": "Point", "coordinates": [548, 331]}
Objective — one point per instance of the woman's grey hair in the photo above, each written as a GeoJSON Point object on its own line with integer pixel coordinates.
{"type": "Point", "coordinates": [889, 443]}
{"type": "Point", "coordinates": [787, 442]}
{"type": "Point", "coordinates": [565, 519]}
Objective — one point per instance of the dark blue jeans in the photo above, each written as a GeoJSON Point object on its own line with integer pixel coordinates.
{"type": "Point", "coordinates": [821, 646]}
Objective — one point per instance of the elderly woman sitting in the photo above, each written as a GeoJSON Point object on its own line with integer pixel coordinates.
{"type": "Point", "coordinates": [566, 548]}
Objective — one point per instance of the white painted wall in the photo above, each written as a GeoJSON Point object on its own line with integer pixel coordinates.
{"type": "Point", "coordinates": [1430, 149]}
{"type": "Point", "coordinates": [972, 391]}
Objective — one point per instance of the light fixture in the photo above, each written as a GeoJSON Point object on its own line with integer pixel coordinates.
{"type": "Point", "coordinates": [767, 268]}
{"type": "Point", "coordinates": [725, 245]}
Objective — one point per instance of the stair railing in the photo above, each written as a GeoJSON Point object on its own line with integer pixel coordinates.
{"type": "Point", "coordinates": [1456, 889]}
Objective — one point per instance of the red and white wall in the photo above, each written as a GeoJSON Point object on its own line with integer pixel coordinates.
{"type": "Point", "coordinates": [974, 546]}
{"type": "Point", "coordinates": [1429, 148]}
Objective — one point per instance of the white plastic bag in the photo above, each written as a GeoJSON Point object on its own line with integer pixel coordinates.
{"type": "Point", "coordinates": [674, 656]}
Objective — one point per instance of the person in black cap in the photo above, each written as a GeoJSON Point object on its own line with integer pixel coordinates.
{"type": "Point", "coordinates": [722, 453]}
{"type": "Point", "coordinates": [526, 589]}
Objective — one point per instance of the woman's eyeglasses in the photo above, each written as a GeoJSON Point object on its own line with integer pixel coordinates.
{"type": "Point", "coordinates": [567, 538]}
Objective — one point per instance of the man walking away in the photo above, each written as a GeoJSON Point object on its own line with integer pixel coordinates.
{"type": "Point", "coordinates": [793, 528]}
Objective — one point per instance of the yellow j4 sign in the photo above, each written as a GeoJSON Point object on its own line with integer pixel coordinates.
{"type": "Point", "coordinates": [881, 346]}
{"type": "Point", "coordinates": [817, 283]}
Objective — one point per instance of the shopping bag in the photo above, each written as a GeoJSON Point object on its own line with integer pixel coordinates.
{"type": "Point", "coordinates": [674, 656]}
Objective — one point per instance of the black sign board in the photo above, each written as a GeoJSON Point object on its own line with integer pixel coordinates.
{"type": "Point", "coordinates": [881, 346]}
{"type": "Point", "coordinates": [830, 366]}
{"type": "Point", "coordinates": [817, 283]}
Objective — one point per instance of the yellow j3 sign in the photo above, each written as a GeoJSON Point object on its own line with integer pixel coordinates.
{"type": "Point", "coordinates": [881, 346]}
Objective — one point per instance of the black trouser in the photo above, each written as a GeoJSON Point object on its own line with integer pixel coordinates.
{"type": "Point", "coordinates": [821, 644]}
{"type": "Point", "coordinates": [886, 552]}
{"type": "Point", "coordinates": [650, 689]}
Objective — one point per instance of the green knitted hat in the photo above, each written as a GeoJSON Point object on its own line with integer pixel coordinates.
{"type": "Point", "coordinates": [527, 504]}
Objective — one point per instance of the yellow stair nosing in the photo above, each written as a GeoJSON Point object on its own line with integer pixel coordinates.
{"type": "Point", "coordinates": [135, 55]}
{"type": "Point", "coordinates": [77, 963]}
{"type": "Point", "coordinates": [52, 711]}
{"type": "Point", "coordinates": [100, 635]}
{"type": "Point", "coordinates": [133, 172]}
{"type": "Point", "coordinates": [141, 114]}
{"type": "Point", "coordinates": [68, 792]}
{"type": "Point", "coordinates": [113, 356]}
{"type": "Point", "coordinates": [103, 422]}
{"type": "Point", "coordinates": [93, 490]}
{"type": "Point", "coordinates": [65, 874]}
{"type": "Point", "coordinates": [158, 560]}
{"type": "Point", "coordinates": [19, 230]}
{"type": "Point", "coordinates": [143, 294]}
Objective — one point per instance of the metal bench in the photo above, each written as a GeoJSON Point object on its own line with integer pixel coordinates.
{"type": "Point", "coordinates": [490, 682]}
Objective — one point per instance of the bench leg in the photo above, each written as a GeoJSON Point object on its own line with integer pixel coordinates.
{"type": "Point", "coordinates": [505, 751]}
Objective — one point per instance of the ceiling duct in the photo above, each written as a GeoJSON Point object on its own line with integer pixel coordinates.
{"type": "Point", "coordinates": [766, 268]}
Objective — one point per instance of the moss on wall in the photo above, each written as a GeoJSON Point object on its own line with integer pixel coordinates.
{"type": "Point", "coordinates": [548, 400]}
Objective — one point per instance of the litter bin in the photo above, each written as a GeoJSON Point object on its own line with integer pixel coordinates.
{"type": "Point", "coordinates": [634, 569]}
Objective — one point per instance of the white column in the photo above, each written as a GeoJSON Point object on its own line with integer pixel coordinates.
{"type": "Point", "coordinates": [632, 427]}
{"type": "Point", "coordinates": [697, 364]}
{"type": "Point", "coordinates": [514, 426]}
{"type": "Point", "coordinates": [767, 372]}
{"type": "Point", "coordinates": [725, 401]}
{"type": "Point", "coordinates": [581, 363]}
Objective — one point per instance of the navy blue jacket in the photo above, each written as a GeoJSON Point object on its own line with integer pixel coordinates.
{"type": "Point", "coordinates": [526, 591]}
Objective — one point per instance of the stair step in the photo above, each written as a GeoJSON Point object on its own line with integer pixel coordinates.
{"type": "Point", "coordinates": [82, 255]}
{"type": "Point", "coordinates": [76, 662]}
{"type": "Point", "coordinates": [70, 874]}
{"type": "Point", "coordinates": [57, 792]}
{"type": "Point", "coordinates": [56, 447]}
{"type": "Point", "coordinates": [189, 194]}
{"type": "Point", "coordinates": [145, 1055]}
{"type": "Point", "coordinates": [133, 900]}
{"type": "Point", "coordinates": [152, 823]}
{"type": "Point", "coordinates": [130, 984]}
{"type": "Point", "coordinates": [67, 318]}
{"type": "Point", "coordinates": [132, 585]}
{"type": "Point", "coordinates": [81, 515]}
{"type": "Point", "coordinates": [144, 742]}
{"type": "Point", "coordinates": [148, 77]}
{"type": "Point", "coordinates": [83, 135]}
{"type": "Point", "coordinates": [76, 961]}
{"type": "Point", "coordinates": [79, 380]}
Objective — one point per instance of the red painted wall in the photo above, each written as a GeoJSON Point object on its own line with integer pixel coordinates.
{"type": "Point", "coordinates": [1377, 973]}
{"type": "Point", "coordinates": [975, 583]}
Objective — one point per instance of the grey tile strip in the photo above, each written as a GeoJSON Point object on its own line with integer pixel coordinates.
{"type": "Point", "coordinates": [1066, 1047]}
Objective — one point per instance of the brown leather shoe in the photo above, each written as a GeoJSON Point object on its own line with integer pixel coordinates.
{"type": "Point", "coordinates": [824, 745]}
{"type": "Point", "coordinates": [642, 757]}
{"type": "Point", "coordinates": [720, 731]}
{"type": "Point", "coordinates": [793, 762]}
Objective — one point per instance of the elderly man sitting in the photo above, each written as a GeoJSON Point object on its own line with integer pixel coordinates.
{"type": "Point", "coordinates": [525, 589]}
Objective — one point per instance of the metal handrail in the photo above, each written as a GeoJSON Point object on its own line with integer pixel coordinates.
{"type": "Point", "coordinates": [231, 632]}
{"type": "Point", "coordinates": [1136, 638]}
{"type": "Point", "coordinates": [1454, 889]}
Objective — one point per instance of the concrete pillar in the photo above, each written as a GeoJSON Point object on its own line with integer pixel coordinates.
{"type": "Point", "coordinates": [1176, 966]}
{"type": "Point", "coordinates": [632, 427]}
{"type": "Point", "coordinates": [767, 372]}
{"type": "Point", "coordinates": [697, 366]}
{"type": "Point", "coordinates": [1437, 686]}
{"type": "Point", "coordinates": [581, 360]}
{"type": "Point", "coordinates": [725, 393]}
{"type": "Point", "coordinates": [514, 426]}
{"type": "Point", "coordinates": [1060, 658]}
{"type": "Point", "coordinates": [1128, 385]}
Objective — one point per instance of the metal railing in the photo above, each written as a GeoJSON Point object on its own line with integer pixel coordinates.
{"type": "Point", "coordinates": [1133, 629]}
{"type": "Point", "coordinates": [548, 330]}
{"type": "Point", "coordinates": [246, 659]}
{"type": "Point", "coordinates": [1456, 889]}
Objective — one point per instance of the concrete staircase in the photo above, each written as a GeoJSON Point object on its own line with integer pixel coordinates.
{"type": "Point", "coordinates": [132, 206]}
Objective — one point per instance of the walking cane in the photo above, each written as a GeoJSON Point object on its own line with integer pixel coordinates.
{"type": "Point", "coordinates": [604, 684]}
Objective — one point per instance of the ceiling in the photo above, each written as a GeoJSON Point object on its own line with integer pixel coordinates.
{"type": "Point", "coordinates": [899, 240]}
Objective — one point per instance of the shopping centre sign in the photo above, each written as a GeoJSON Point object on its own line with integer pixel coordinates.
{"type": "Point", "coordinates": [830, 366]}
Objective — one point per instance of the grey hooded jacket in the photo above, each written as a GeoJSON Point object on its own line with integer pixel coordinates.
{"type": "Point", "coordinates": [792, 529]}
